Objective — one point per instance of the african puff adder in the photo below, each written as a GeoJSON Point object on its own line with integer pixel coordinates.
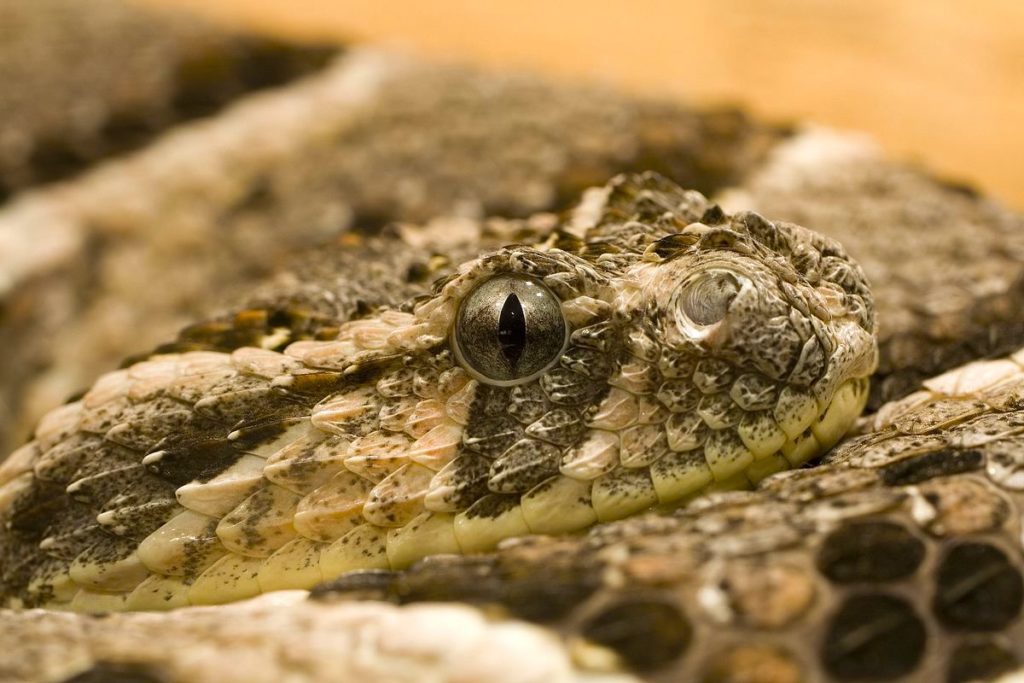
{"type": "Point", "coordinates": [642, 354]}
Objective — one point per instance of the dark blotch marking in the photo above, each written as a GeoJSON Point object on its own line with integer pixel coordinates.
{"type": "Point", "coordinates": [128, 129]}
{"type": "Point", "coordinates": [491, 436]}
{"type": "Point", "coordinates": [673, 245]}
{"type": "Point", "coordinates": [930, 465]}
{"type": "Point", "coordinates": [646, 631]}
{"type": "Point", "coordinates": [370, 584]}
{"type": "Point", "coordinates": [248, 327]}
{"type": "Point", "coordinates": [873, 637]}
{"type": "Point", "coordinates": [594, 248]}
{"type": "Point", "coordinates": [118, 672]}
{"type": "Point", "coordinates": [591, 363]}
{"type": "Point", "coordinates": [977, 589]}
{"type": "Point", "coordinates": [870, 551]}
{"type": "Point", "coordinates": [472, 472]}
{"type": "Point", "coordinates": [207, 79]}
{"type": "Point", "coordinates": [201, 81]}
{"type": "Point", "coordinates": [450, 579]}
{"type": "Point", "coordinates": [490, 401]}
{"type": "Point", "coordinates": [100, 458]}
{"type": "Point", "coordinates": [417, 272]}
{"type": "Point", "coordinates": [314, 386]}
{"type": "Point", "coordinates": [110, 549]}
{"type": "Point", "coordinates": [104, 486]}
{"type": "Point", "coordinates": [20, 559]}
{"type": "Point", "coordinates": [37, 508]}
{"type": "Point", "coordinates": [252, 434]}
{"type": "Point", "coordinates": [492, 506]}
{"type": "Point", "coordinates": [512, 331]}
{"type": "Point", "coordinates": [567, 387]}
{"type": "Point", "coordinates": [197, 461]}
{"type": "Point", "coordinates": [979, 661]}
{"type": "Point", "coordinates": [53, 158]}
{"type": "Point", "coordinates": [720, 238]}
{"type": "Point", "coordinates": [540, 592]}
{"type": "Point", "coordinates": [567, 241]}
{"type": "Point", "coordinates": [548, 590]}
{"type": "Point", "coordinates": [371, 220]}
{"type": "Point", "coordinates": [267, 62]}
{"type": "Point", "coordinates": [369, 371]}
{"type": "Point", "coordinates": [713, 215]}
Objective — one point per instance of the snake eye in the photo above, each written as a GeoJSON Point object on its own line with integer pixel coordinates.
{"type": "Point", "coordinates": [704, 300]}
{"type": "Point", "coordinates": [509, 329]}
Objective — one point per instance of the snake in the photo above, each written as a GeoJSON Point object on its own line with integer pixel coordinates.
{"type": "Point", "coordinates": [667, 350]}
{"type": "Point", "coordinates": [633, 369]}
{"type": "Point", "coordinates": [639, 424]}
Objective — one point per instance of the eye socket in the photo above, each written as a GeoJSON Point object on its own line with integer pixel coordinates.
{"type": "Point", "coordinates": [509, 330]}
{"type": "Point", "coordinates": [704, 300]}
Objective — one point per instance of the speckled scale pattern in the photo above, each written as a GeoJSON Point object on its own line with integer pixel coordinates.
{"type": "Point", "coordinates": [897, 559]}
{"type": "Point", "coordinates": [294, 451]}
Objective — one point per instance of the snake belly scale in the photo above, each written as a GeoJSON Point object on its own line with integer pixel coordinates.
{"type": "Point", "coordinates": [646, 349]}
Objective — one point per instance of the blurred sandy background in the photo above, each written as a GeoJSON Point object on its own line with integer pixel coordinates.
{"type": "Point", "coordinates": [939, 81]}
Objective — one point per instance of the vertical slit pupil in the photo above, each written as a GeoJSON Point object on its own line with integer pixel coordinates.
{"type": "Point", "coordinates": [512, 330]}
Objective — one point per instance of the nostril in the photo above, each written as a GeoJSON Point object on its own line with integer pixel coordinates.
{"type": "Point", "coordinates": [706, 299]}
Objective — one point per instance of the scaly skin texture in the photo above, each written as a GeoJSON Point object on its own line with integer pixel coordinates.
{"type": "Point", "coordinates": [206, 477]}
{"type": "Point", "coordinates": [898, 558]}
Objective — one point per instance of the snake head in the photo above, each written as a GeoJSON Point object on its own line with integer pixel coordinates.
{"type": "Point", "coordinates": [648, 349]}
{"type": "Point", "coordinates": [637, 363]}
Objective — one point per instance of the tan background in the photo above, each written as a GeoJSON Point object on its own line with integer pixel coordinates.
{"type": "Point", "coordinates": [939, 81]}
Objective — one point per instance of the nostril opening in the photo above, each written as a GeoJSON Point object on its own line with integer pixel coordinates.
{"type": "Point", "coordinates": [706, 300]}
